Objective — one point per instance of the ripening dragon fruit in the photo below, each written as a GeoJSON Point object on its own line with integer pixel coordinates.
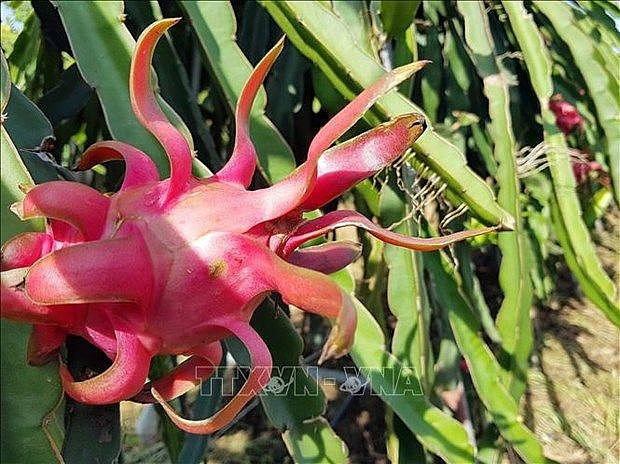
{"type": "Point", "coordinates": [567, 118]}
{"type": "Point", "coordinates": [173, 266]}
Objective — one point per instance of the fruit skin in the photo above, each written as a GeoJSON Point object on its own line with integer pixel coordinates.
{"type": "Point", "coordinates": [173, 266]}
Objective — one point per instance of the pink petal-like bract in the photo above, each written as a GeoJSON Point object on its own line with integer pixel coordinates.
{"type": "Point", "coordinates": [173, 266]}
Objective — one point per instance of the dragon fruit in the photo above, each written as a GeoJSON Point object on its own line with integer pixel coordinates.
{"type": "Point", "coordinates": [567, 117]}
{"type": "Point", "coordinates": [173, 266]}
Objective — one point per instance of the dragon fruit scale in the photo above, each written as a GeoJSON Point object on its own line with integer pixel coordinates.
{"type": "Point", "coordinates": [173, 266]}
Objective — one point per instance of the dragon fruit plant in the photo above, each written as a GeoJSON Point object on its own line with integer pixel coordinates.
{"type": "Point", "coordinates": [173, 266]}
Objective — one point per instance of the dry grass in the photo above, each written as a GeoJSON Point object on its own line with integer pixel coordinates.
{"type": "Point", "coordinates": [573, 399]}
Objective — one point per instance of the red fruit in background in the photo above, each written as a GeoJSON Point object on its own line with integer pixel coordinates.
{"type": "Point", "coordinates": [567, 117]}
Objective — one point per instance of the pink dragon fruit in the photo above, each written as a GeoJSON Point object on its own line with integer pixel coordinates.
{"type": "Point", "coordinates": [173, 266]}
{"type": "Point", "coordinates": [582, 170]}
{"type": "Point", "coordinates": [567, 117]}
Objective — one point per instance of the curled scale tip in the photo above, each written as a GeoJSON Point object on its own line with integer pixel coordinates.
{"type": "Point", "coordinates": [166, 23]}
{"type": "Point", "coordinates": [13, 277]}
{"type": "Point", "coordinates": [412, 68]}
{"type": "Point", "coordinates": [17, 208]}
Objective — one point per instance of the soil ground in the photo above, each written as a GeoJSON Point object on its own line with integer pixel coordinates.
{"type": "Point", "coordinates": [573, 399]}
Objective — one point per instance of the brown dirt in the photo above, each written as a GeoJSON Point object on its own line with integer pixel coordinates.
{"type": "Point", "coordinates": [573, 399]}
